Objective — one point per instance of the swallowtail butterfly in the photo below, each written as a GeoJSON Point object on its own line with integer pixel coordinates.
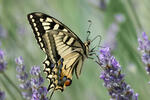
{"type": "Point", "coordinates": [64, 50]}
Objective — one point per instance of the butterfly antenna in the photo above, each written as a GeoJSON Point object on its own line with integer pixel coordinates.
{"type": "Point", "coordinates": [52, 94]}
{"type": "Point", "coordinates": [88, 31]}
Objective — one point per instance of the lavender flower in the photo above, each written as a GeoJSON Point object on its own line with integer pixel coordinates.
{"type": "Point", "coordinates": [111, 35]}
{"type": "Point", "coordinates": [144, 47]}
{"type": "Point", "coordinates": [2, 61]}
{"type": "Point", "coordinates": [39, 92]}
{"type": "Point", "coordinates": [35, 70]}
{"type": "Point", "coordinates": [22, 75]}
{"type": "Point", "coordinates": [113, 30]}
{"type": "Point", "coordinates": [23, 78]}
{"type": "Point", "coordinates": [120, 18]}
{"type": "Point", "coordinates": [33, 89]}
{"type": "Point", "coordinates": [113, 79]}
{"type": "Point", "coordinates": [19, 60]}
{"type": "Point", "coordinates": [2, 95]}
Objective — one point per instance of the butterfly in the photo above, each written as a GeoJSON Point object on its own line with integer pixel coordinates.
{"type": "Point", "coordinates": [65, 52]}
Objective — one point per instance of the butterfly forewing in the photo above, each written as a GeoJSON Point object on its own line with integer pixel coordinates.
{"type": "Point", "coordinates": [65, 51]}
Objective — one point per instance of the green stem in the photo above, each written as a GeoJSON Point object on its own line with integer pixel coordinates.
{"type": "Point", "coordinates": [8, 90]}
{"type": "Point", "coordinates": [135, 14]}
{"type": "Point", "coordinates": [12, 83]}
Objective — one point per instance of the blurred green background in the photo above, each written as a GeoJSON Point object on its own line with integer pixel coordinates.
{"type": "Point", "coordinates": [17, 39]}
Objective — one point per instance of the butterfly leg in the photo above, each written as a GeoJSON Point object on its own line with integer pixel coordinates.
{"type": "Point", "coordinates": [93, 49]}
{"type": "Point", "coordinates": [98, 60]}
{"type": "Point", "coordinates": [90, 58]}
{"type": "Point", "coordinates": [52, 94]}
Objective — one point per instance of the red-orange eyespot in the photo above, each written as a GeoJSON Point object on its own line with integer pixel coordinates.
{"type": "Point", "coordinates": [68, 82]}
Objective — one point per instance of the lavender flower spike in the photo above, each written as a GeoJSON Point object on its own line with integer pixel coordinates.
{"type": "Point", "coordinates": [38, 91]}
{"type": "Point", "coordinates": [22, 76]}
{"type": "Point", "coordinates": [33, 89]}
{"type": "Point", "coordinates": [2, 61]}
{"type": "Point", "coordinates": [144, 47]}
{"type": "Point", "coordinates": [113, 79]}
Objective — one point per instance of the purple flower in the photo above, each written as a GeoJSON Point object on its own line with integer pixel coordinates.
{"type": "Point", "coordinates": [38, 91]}
{"type": "Point", "coordinates": [2, 61]}
{"type": "Point", "coordinates": [25, 85]}
{"type": "Point", "coordinates": [33, 89]}
{"type": "Point", "coordinates": [103, 4]}
{"type": "Point", "coordinates": [120, 18]}
{"type": "Point", "coordinates": [36, 82]}
{"type": "Point", "coordinates": [144, 43]}
{"type": "Point", "coordinates": [43, 91]}
{"type": "Point", "coordinates": [112, 31]}
{"type": "Point", "coordinates": [19, 60]}
{"type": "Point", "coordinates": [113, 79]}
{"type": "Point", "coordinates": [22, 76]}
{"type": "Point", "coordinates": [21, 29]}
{"type": "Point", "coordinates": [35, 70]}
{"type": "Point", "coordinates": [3, 32]}
{"type": "Point", "coordinates": [20, 69]}
{"type": "Point", "coordinates": [40, 94]}
{"type": "Point", "coordinates": [27, 95]}
{"type": "Point", "coordinates": [144, 47]}
{"type": "Point", "coordinates": [2, 95]}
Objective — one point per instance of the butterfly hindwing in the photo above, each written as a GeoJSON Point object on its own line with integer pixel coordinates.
{"type": "Point", "coordinates": [65, 51]}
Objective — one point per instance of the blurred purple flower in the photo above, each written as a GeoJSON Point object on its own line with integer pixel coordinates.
{"type": "Point", "coordinates": [39, 92]}
{"type": "Point", "coordinates": [102, 4]}
{"type": "Point", "coordinates": [27, 95]}
{"type": "Point", "coordinates": [22, 76]}
{"type": "Point", "coordinates": [144, 43]}
{"type": "Point", "coordinates": [21, 30]}
{"type": "Point", "coordinates": [144, 47]}
{"type": "Point", "coordinates": [113, 79]}
{"type": "Point", "coordinates": [113, 30]}
{"type": "Point", "coordinates": [33, 88]}
{"type": "Point", "coordinates": [111, 35]}
{"type": "Point", "coordinates": [3, 63]}
{"type": "Point", "coordinates": [3, 32]}
{"type": "Point", "coordinates": [2, 95]}
{"type": "Point", "coordinates": [120, 18]}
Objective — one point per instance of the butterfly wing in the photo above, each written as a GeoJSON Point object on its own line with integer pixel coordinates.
{"type": "Point", "coordinates": [65, 51]}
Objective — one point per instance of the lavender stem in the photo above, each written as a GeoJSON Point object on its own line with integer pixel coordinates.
{"type": "Point", "coordinates": [9, 80]}
{"type": "Point", "coordinates": [8, 90]}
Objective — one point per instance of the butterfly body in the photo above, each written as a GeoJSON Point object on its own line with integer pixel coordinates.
{"type": "Point", "coordinates": [64, 50]}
